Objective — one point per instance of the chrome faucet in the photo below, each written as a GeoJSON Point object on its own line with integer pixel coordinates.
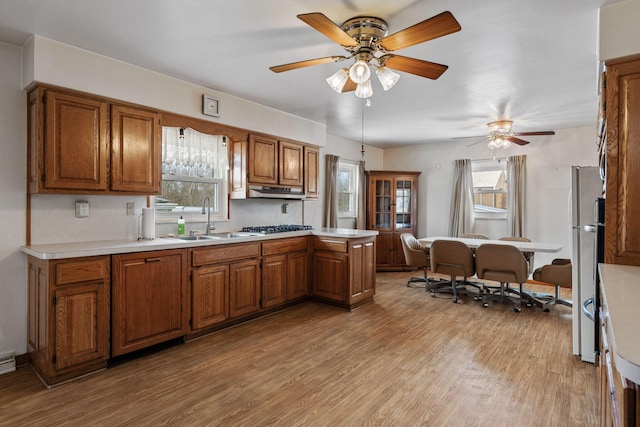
{"type": "Point", "coordinates": [206, 202]}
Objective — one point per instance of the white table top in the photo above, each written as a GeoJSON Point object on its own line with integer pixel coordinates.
{"type": "Point", "coordinates": [620, 286]}
{"type": "Point", "coordinates": [474, 243]}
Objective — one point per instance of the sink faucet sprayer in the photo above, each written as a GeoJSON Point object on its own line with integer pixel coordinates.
{"type": "Point", "coordinates": [206, 202]}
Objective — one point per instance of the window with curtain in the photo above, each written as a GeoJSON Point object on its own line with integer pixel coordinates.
{"type": "Point", "coordinates": [195, 165]}
{"type": "Point", "coordinates": [347, 190]}
{"type": "Point", "coordinates": [490, 188]}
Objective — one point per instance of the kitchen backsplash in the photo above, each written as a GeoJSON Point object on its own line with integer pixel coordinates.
{"type": "Point", "coordinates": [53, 217]}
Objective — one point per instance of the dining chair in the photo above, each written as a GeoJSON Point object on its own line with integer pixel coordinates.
{"type": "Point", "coordinates": [527, 255]}
{"type": "Point", "coordinates": [504, 264]}
{"type": "Point", "coordinates": [455, 259]}
{"type": "Point", "coordinates": [416, 256]}
{"type": "Point", "coordinates": [557, 274]}
{"type": "Point", "coordinates": [474, 236]}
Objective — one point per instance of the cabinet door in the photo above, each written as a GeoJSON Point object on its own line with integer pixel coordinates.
{"type": "Point", "coordinates": [76, 154]}
{"type": "Point", "coordinates": [369, 268]}
{"type": "Point", "coordinates": [403, 202]}
{"type": "Point", "coordinates": [82, 324]}
{"type": "Point", "coordinates": [209, 296]}
{"type": "Point", "coordinates": [381, 204]}
{"type": "Point", "coordinates": [362, 270]}
{"type": "Point", "coordinates": [244, 286]}
{"type": "Point", "coordinates": [622, 242]}
{"type": "Point", "coordinates": [290, 164]}
{"type": "Point", "coordinates": [274, 280]}
{"type": "Point", "coordinates": [135, 150]}
{"type": "Point", "coordinates": [385, 250]}
{"type": "Point", "coordinates": [311, 172]}
{"type": "Point", "coordinates": [149, 292]}
{"type": "Point", "coordinates": [297, 275]}
{"type": "Point", "coordinates": [330, 275]}
{"type": "Point", "coordinates": [263, 160]}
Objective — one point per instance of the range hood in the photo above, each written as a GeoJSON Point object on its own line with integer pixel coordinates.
{"type": "Point", "coordinates": [269, 192]}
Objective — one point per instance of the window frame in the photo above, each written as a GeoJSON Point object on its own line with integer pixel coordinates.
{"type": "Point", "coordinates": [486, 165]}
{"type": "Point", "coordinates": [351, 168]}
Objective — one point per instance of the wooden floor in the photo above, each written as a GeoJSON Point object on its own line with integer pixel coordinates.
{"type": "Point", "coordinates": [406, 360]}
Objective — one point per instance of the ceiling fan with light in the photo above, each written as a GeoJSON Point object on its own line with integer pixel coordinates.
{"type": "Point", "coordinates": [366, 40]}
{"type": "Point", "coordinates": [501, 136]}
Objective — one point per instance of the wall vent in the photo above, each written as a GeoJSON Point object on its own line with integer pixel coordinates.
{"type": "Point", "coordinates": [7, 363]}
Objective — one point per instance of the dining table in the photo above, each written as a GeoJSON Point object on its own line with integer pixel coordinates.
{"type": "Point", "coordinates": [474, 243]}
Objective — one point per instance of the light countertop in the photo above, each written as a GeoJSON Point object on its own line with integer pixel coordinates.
{"type": "Point", "coordinates": [109, 247]}
{"type": "Point", "coordinates": [620, 286]}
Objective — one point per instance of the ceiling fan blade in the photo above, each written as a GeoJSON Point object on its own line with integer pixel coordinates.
{"type": "Point", "coordinates": [307, 63]}
{"type": "Point", "coordinates": [421, 68]}
{"type": "Point", "coordinates": [327, 27]}
{"type": "Point", "coordinates": [477, 142]}
{"type": "Point", "coordinates": [349, 86]}
{"type": "Point", "coordinates": [432, 28]}
{"type": "Point", "coordinates": [517, 140]}
{"type": "Point", "coordinates": [546, 132]}
{"type": "Point", "coordinates": [468, 137]}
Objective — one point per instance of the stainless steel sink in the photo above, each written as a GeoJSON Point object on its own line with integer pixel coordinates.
{"type": "Point", "coordinates": [197, 237]}
{"type": "Point", "coordinates": [234, 235]}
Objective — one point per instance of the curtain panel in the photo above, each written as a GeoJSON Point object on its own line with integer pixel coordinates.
{"type": "Point", "coordinates": [462, 218]}
{"type": "Point", "coordinates": [331, 192]}
{"type": "Point", "coordinates": [516, 185]}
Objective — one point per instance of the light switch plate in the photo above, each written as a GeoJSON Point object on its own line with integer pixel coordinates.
{"type": "Point", "coordinates": [82, 209]}
{"type": "Point", "coordinates": [131, 208]}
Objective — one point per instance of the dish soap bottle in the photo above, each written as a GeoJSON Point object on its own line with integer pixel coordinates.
{"type": "Point", "coordinates": [181, 226]}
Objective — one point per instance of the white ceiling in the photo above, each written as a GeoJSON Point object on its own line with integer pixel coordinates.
{"type": "Point", "coordinates": [532, 61]}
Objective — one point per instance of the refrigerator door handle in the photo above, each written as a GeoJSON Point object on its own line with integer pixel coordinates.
{"type": "Point", "coordinates": [590, 228]}
{"type": "Point", "coordinates": [585, 308]}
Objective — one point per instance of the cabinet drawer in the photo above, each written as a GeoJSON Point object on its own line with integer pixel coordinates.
{"type": "Point", "coordinates": [81, 271]}
{"type": "Point", "coordinates": [281, 246]}
{"type": "Point", "coordinates": [224, 253]}
{"type": "Point", "coordinates": [329, 244]}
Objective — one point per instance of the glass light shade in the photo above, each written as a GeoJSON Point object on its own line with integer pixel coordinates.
{"type": "Point", "coordinates": [500, 126]}
{"type": "Point", "coordinates": [364, 90]}
{"type": "Point", "coordinates": [338, 80]}
{"type": "Point", "coordinates": [498, 142]}
{"type": "Point", "coordinates": [359, 72]}
{"type": "Point", "coordinates": [387, 78]}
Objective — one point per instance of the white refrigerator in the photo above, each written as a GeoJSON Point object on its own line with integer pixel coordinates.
{"type": "Point", "coordinates": [586, 187]}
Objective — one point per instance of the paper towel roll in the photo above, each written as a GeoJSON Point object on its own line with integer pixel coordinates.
{"type": "Point", "coordinates": [148, 223]}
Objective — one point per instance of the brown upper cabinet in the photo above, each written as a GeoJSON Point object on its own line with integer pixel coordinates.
{"type": "Point", "coordinates": [311, 169]}
{"type": "Point", "coordinates": [275, 162]}
{"type": "Point", "coordinates": [622, 240]}
{"type": "Point", "coordinates": [73, 150]}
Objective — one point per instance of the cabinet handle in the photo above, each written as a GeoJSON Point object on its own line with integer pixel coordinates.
{"type": "Point", "coordinates": [368, 244]}
{"type": "Point", "coordinates": [357, 246]}
{"type": "Point", "coordinates": [152, 260]}
{"type": "Point", "coordinates": [331, 241]}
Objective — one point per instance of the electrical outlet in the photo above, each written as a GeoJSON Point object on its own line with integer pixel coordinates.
{"type": "Point", "coordinates": [82, 209]}
{"type": "Point", "coordinates": [131, 208]}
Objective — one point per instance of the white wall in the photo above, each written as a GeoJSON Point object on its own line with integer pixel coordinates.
{"type": "Point", "coordinates": [13, 170]}
{"type": "Point", "coordinates": [549, 161]}
{"type": "Point", "coordinates": [619, 30]}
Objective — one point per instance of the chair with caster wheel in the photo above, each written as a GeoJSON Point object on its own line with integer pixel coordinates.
{"type": "Point", "coordinates": [456, 260]}
{"type": "Point", "coordinates": [504, 264]}
{"type": "Point", "coordinates": [416, 256]}
{"type": "Point", "coordinates": [557, 274]}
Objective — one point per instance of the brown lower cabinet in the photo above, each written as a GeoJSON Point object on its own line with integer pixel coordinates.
{"type": "Point", "coordinates": [83, 311]}
{"type": "Point", "coordinates": [225, 283]}
{"type": "Point", "coordinates": [68, 333]}
{"type": "Point", "coordinates": [344, 270]}
{"type": "Point", "coordinates": [149, 299]}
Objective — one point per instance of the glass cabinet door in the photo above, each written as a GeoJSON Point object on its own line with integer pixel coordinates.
{"type": "Point", "coordinates": [403, 204]}
{"type": "Point", "coordinates": [383, 213]}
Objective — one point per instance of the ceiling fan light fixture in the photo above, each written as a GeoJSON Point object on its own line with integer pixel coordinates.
{"type": "Point", "coordinates": [338, 80]}
{"type": "Point", "coordinates": [387, 77]}
{"type": "Point", "coordinates": [498, 142]}
{"type": "Point", "coordinates": [500, 126]}
{"type": "Point", "coordinates": [359, 72]}
{"type": "Point", "coordinates": [364, 90]}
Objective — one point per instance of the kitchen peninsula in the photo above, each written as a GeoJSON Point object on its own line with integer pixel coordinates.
{"type": "Point", "coordinates": [92, 301]}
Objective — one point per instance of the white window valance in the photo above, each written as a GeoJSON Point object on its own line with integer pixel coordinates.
{"type": "Point", "coordinates": [187, 152]}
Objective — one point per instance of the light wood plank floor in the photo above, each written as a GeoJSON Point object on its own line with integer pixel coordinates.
{"type": "Point", "coordinates": [406, 360]}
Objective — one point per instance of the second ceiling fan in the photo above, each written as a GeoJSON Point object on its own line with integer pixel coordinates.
{"type": "Point", "coordinates": [366, 40]}
{"type": "Point", "coordinates": [501, 134]}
